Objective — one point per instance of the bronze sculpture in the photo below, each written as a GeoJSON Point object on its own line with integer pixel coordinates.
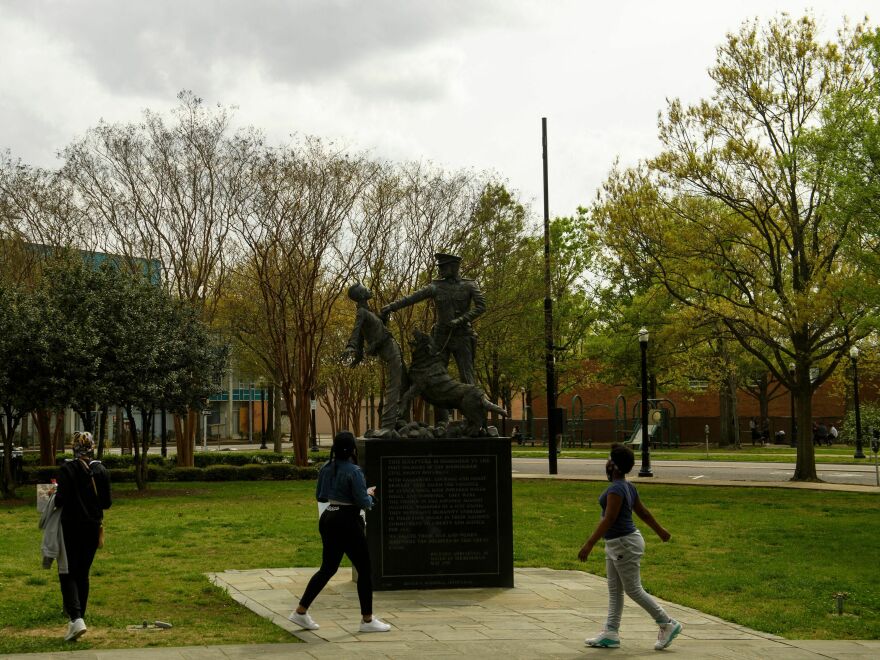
{"type": "Point", "coordinates": [370, 336]}
{"type": "Point", "coordinates": [457, 302]}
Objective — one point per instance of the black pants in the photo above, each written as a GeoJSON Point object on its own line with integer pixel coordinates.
{"type": "Point", "coordinates": [342, 533]}
{"type": "Point", "coordinates": [80, 544]}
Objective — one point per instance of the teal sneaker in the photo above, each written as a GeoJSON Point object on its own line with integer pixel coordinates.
{"type": "Point", "coordinates": [668, 632]}
{"type": "Point", "coordinates": [607, 639]}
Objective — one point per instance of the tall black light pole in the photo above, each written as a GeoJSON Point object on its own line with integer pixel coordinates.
{"type": "Point", "coordinates": [854, 356]}
{"type": "Point", "coordinates": [793, 440]}
{"type": "Point", "coordinates": [645, 471]}
{"type": "Point", "coordinates": [553, 415]}
{"type": "Point", "coordinates": [263, 413]}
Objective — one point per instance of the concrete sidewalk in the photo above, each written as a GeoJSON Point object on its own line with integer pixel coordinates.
{"type": "Point", "coordinates": [547, 615]}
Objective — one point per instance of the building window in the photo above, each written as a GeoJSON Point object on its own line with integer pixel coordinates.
{"type": "Point", "coordinates": [698, 384]}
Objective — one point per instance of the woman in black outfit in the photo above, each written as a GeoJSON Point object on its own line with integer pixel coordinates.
{"type": "Point", "coordinates": [341, 484]}
{"type": "Point", "coordinates": [83, 494]}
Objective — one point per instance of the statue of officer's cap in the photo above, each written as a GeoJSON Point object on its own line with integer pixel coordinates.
{"type": "Point", "coordinates": [447, 259]}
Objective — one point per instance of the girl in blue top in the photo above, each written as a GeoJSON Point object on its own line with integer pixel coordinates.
{"type": "Point", "coordinates": [342, 485]}
{"type": "Point", "coordinates": [624, 547]}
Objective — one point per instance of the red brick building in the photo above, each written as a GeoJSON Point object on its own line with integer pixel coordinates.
{"type": "Point", "coordinates": [608, 410]}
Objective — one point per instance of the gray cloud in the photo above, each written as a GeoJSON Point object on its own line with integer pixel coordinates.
{"type": "Point", "coordinates": [158, 47]}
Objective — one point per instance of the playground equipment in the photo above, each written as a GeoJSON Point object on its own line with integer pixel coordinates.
{"type": "Point", "coordinates": [662, 427]}
{"type": "Point", "coordinates": [574, 434]}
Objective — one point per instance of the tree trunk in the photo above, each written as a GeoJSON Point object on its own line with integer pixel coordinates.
{"type": "Point", "coordinates": [184, 437]}
{"type": "Point", "coordinates": [132, 427]}
{"type": "Point", "coordinates": [764, 398]}
{"type": "Point", "coordinates": [58, 435]}
{"type": "Point", "coordinates": [88, 419]}
{"type": "Point", "coordinates": [43, 422]}
{"type": "Point", "coordinates": [141, 473]}
{"type": "Point", "coordinates": [805, 468]}
{"type": "Point", "coordinates": [299, 414]}
{"type": "Point", "coordinates": [7, 430]}
{"type": "Point", "coordinates": [102, 432]}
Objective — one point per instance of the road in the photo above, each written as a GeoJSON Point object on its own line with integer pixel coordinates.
{"type": "Point", "coordinates": [863, 474]}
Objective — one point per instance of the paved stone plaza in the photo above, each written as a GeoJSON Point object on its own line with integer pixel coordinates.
{"type": "Point", "coordinates": [547, 615]}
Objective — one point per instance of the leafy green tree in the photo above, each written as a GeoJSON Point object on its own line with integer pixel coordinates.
{"type": "Point", "coordinates": [76, 308]}
{"type": "Point", "coordinates": [163, 357]}
{"type": "Point", "coordinates": [507, 268]}
{"type": "Point", "coordinates": [735, 218]}
{"type": "Point", "coordinates": [26, 375]}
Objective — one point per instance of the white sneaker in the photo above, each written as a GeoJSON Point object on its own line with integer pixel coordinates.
{"type": "Point", "coordinates": [374, 626]}
{"type": "Point", "coordinates": [668, 632]}
{"type": "Point", "coordinates": [607, 639]}
{"type": "Point", "coordinates": [75, 630]}
{"type": "Point", "coordinates": [303, 620]}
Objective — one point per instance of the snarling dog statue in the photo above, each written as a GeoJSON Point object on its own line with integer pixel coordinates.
{"type": "Point", "coordinates": [429, 379]}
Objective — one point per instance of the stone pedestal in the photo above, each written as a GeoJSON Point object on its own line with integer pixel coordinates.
{"type": "Point", "coordinates": [444, 515]}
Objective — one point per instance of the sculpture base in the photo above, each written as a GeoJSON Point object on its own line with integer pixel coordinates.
{"type": "Point", "coordinates": [444, 515]}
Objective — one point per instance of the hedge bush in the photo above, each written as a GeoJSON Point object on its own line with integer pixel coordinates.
{"type": "Point", "coordinates": [252, 472]}
{"type": "Point", "coordinates": [42, 474]}
{"type": "Point", "coordinates": [186, 474]}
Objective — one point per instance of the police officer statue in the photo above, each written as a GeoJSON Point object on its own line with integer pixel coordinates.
{"type": "Point", "coordinates": [457, 302]}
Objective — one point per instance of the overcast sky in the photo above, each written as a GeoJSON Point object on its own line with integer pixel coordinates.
{"type": "Point", "coordinates": [460, 83]}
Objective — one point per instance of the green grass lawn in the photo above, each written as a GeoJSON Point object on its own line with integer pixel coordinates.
{"type": "Point", "coordinates": [841, 454]}
{"type": "Point", "coordinates": [770, 559]}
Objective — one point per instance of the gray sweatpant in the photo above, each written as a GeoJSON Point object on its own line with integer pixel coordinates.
{"type": "Point", "coordinates": [623, 557]}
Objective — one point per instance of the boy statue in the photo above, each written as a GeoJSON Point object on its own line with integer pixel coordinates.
{"type": "Point", "coordinates": [370, 336]}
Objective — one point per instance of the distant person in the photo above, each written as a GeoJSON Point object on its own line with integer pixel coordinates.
{"type": "Point", "coordinates": [753, 428]}
{"type": "Point", "coordinates": [516, 435]}
{"type": "Point", "coordinates": [341, 484]}
{"type": "Point", "coordinates": [624, 547]}
{"type": "Point", "coordinates": [765, 431]}
{"type": "Point", "coordinates": [822, 434]}
{"type": "Point", "coordinates": [832, 435]}
{"type": "Point", "coordinates": [83, 494]}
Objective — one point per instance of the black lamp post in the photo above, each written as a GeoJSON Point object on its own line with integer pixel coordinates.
{"type": "Point", "coordinates": [263, 413]}
{"type": "Point", "coordinates": [854, 356]}
{"type": "Point", "coordinates": [793, 441]}
{"type": "Point", "coordinates": [645, 471]}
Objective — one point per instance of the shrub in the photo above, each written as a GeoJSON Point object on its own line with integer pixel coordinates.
{"type": "Point", "coordinates": [870, 419]}
{"type": "Point", "coordinates": [39, 474]}
{"type": "Point", "coordinates": [121, 475]}
{"type": "Point", "coordinates": [251, 472]}
{"type": "Point", "coordinates": [220, 473]}
{"type": "Point", "coordinates": [279, 471]}
{"type": "Point", "coordinates": [186, 474]}
{"type": "Point", "coordinates": [305, 472]}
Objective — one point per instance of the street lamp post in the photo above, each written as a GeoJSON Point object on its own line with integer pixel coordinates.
{"type": "Point", "coordinates": [251, 413]}
{"type": "Point", "coordinates": [522, 395]}
{"type": "Point", "coordinates": [645, 471]}
{"type": "Point", "coordinates": [793, 440]}
{"type": "Point", "coordinates": [854, 356]}
{"type": "Point", "coordinates": [263, 413]}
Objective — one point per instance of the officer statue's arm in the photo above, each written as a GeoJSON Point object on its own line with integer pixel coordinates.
{"type": "Point", "coordinates": [479, 305]}
{"type": "Point", "coordinates": [422, 294]}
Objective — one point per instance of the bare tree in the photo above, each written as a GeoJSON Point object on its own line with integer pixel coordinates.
{"type": "Point", "coordinates": [302, 240]}
{"type": "Point", "coordinates": [168, 196]}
